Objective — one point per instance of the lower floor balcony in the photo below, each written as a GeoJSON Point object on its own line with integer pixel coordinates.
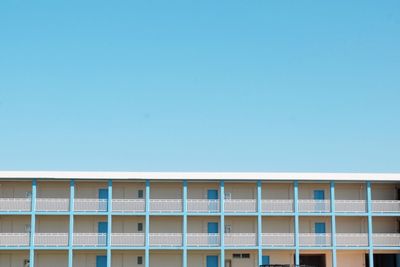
{"type": "Point", "coordinates": [51, 239]}
{"type": "Point", "coordinates": [166, 239]}
{"type": "Point", "coordinates": [14, 239]}
{"type": "Point", "coordinates": [15, 204]}
{"type": "Point", "coordinates": [278, 240]}
{"type": "Point", "coordinates": [203, 240]}
{"type": "Point", "coordinates": [127, 240]}
{"type": "Point", "coordinates": [386, 240]}
{"type": "Point", "coordinates": [315, 240]}
{"type": "Point", "coordinates": [351, 240]}
{"type": "Point", "coordinates": [240, 239]}
{"type": "Point", "coordinates": [90, 240]}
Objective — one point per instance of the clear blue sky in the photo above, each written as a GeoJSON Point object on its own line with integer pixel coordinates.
{"type": "Point", "coordinates": [200, 85]}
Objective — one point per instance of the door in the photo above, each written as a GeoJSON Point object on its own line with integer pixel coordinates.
{"type": "Point", "coordinates": [212, 261]}
{"type": "Point", "coordinates": [101, 261]}
{"type": "Point", "coordinates": [102, 230]}
{"type": "Point", "coordinates": [265, 260]}
{"type": "Point", "coordinates": [103, 199]}
{"type": "Point", "coordinates": [319, 195]}
{"type": "Point", "coordinates": [212, 194]}
{"type": "Point", "coordinates": [212, 230]}
{"type": "Point", "coordinates": [320, 230]}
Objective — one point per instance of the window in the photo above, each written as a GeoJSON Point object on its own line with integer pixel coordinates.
{"type": "Point", "coordinates": [228, 228]}
{"type": "Point", "coordinates": [139, 260]}
{"type": "Point", "coordinates": [140, 227]}
{"type": "Point", "coordinates": [228, 195]}
{"type": "Point", "coordinates": [140, 193]}
{"type": "Point", "coordinates": [236, 256]}
{"type": "Point", "coordinates": [246, 256]}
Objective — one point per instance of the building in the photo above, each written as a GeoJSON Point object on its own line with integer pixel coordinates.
{"type": "Point", "coordinates": [63, 219]}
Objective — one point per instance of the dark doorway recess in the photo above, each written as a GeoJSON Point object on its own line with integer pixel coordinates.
{"type": "Point", "coordinates": [384, 260]}
{"type": "Point", "coordinates": [314, 260]}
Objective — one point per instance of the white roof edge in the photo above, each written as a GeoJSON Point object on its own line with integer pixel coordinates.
{"type": "Point", "coordinates": [305, 176]}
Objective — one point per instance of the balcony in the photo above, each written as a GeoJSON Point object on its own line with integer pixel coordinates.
{"type": "Point", "coordinates": [52, 204]}
{"type": "Point", "coordinates": [166, 205]}
{"type": "Point", "coordinates": [90, 240]}
{"type": "Point", "coordinates": [128, 205]}
{"type": "Point", "coordinates": [240, 239]}
{"type": "Point", "coordinates": [51, 239]}
{"type": "Point", "coordinates": [277, 205]}
{"type": "Point", "coordinates": [278, 240]}
{"type": "Point", "coordinates": [315, 240]}
{"type": "Point", "coordinates": [385, 206]}
{"type": "Point", "coordinates": [386, 240]}
{"type": "Point", "coordinates": [203, 240]}
{"type": "Point", "coordinates": [311, 205]}
{"type": "Point", "coordinates": [166, 239]}
{"type": "Point", "coordinates": [240, 205]}
{"type": "Point", "coordinates": [127, 239]}
{"type": "Point", "coordinates": [90, 204]}
{"type": "Point", "coordinates": [356, 206]}
{"type": "Point", "coordinates": [14, 239]}
{"type": "Point", "coordinates": [203, 205]}
{"type": "Point", "coordinates": [15, 204]}
{"type": "Point", "coordinates": [351, 240]}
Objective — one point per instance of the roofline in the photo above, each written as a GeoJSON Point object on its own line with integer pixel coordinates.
{"type": "Point", "coordinates": [273, 176]}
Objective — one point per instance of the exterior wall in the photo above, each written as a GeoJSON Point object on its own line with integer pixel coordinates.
{"type": "Point", "coordinates": [52, 224]}
{"type": "Point", "coordinates": [165, 259]}
{"type": "Point", "coordinates": [127, 224]}
{"type": "Point", "coordinates": [278, 225]}
{"type": "Point", "coordinates": [307, 224]}
{"type": "Point", "coordinates": [350, 191]}
{"type": "Point", "coordinates": [165, 224]}
{"type": "Point", "coordinates": [47, 189]}
{"type": "Point", "coordinates": [15, 189]}
{"type": "Point", "coordinates": [306, 190]}
{"type": "Point", "coordinates": [88, 224]}
{"type": "Point", "coordinates": [14, 224]}
{"type": "Point", "coordinates": [51, 259]}
{"type": "Point", "coordinates": [200, 224]}
{"type": "Point", "coordinates": [86, 259]}
{"type": "Point", "coordinates": [199, 190]}
{"type": "Point", "coordinates": [351, 258]}
{"type": "Point", "coordinates": [252, 262]}
{"type": "Point", "coordinates": [126, 258]}
{"type": "Point", "coordinates": [384, 191]}
{"type": "Point", "coordinates": [127, 190]}
{"type": "Point", "coordinates": [13, 258]}
{"type": "Point", "coordinates": [165, 190]}
{"type": "Point", "coordinates": [241, 190]}
{"type": "Point", "coordinates": [88, 189]}
{"type": "Point", "coordinates": [385, 225]}
{"type": "Point", "coordinates": [242, 224]}
{"type": "Point", "coordinates": [277, 191]}
{"type": "Point", "coordinates": [351, 225]}
{"type": "Point", "coordinates": [280, 257]}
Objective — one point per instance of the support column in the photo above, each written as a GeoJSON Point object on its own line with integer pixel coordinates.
{"type": "Point", "coordinates": [71, 223]}
{"type": "Point", "coordinates": [333, 224]}
{"type": "Point", "coordinates": [33, 224]}
{"type": "Point", "coordinates": [147, 228]}
{"type": "Point", "coordinates": [109, 223]}
{"type": "Point", "coordinates": [296, 221]}
{"type": "Point", "coordinates": [222, 223]}
{"type": "Point", "coordinates": [259, 222]}
{"type": "Point", "coordinates": [184, 252]}
{"type": "Point", "coordinates": [370, 226]}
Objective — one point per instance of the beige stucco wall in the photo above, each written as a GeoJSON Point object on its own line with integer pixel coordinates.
{"type": "Point", "coordinates": [306, 190]}
{"type": "Point", "coordinates": [127, 224]}
{"type": "Point", "coordinates": [89, 189]}
{"type": "Point", "coordinates": [252, 262]}
{"type": "Point", "coordinates": [86, 258]}
{"type": "Point", "coordinates": [199, 190]}
{"type": "Point", "coordinates": [351, 225]}
{"type": "Point", "coordinates": [46, 189]}
{"type": "Point", "coordinates": [165, 190]}
{"type": "Point", "coordinates": [88, 224]}
{"type": "Point", "coordinates": [241, 190]}
{"type": "Point", "coordinates": [277, 191]}
{"type": "Point", "coordinates": [278, 225]}
{"type": "Point", "coordinates": [165, 224]}
{"type": "Point", "coordinates": [307, 224]}
{"type": "Point", "coordinates": [52, 224]}
{"type": "Point", "coordinates": [14, 224]}
{"type": "Point", "coordinates": [13, 258]}
{"type": "Point", "coordinates": [280, 257]}
{"type": "Point", "coordinates": [51, 259]}
{"type": "Point", "coordinates": [165, 259]}
{"type": "Point", "coordinates": [15, 189]}
{"type": "Point", "coordinates": [126, 258]}
{"type": "Point", "coordinates": [385, 225]}
{"type": "Point", "coordinates": [242, 224]}
{"type": "Point", "coordinates": [128, 190]}
{"type": "Point", "coordinates": [199, 224]}
{"type": "Point", "coordinates": [350, 191]}
{"type": "Point", "coordinates": [350, 258]}
{"type": "Point", "coordinates": [384, 191]}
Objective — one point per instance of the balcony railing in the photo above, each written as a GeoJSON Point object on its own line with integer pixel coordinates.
{"type": "Point", "coordinates": [94, 205]}
{"type": "Point", "coordinates": [240, 239]}
{"type": "Point", "coordinates": [203, 205]}
{"type": "Point", "coordinates": [15, 204]}
{"type": "Point", "coordinates": [350, 205]}
{"type": "Point", "coordinates": [52, 204]}
{"type": "Point", "coordinates": [311, 205]}
{"type": "Point", "coordinates": [14, 239]}
{"type": "Point", "coordinates": [386, 240]}
{"type": "Point", "coordinates": [128, 205]}
{"type": "Point", "coordinates": [385, 205]}
{"type": "Point", "coordinates": [127, 239]}
{"type": "Point", "coordinates": [315, 240]}
{"type": "Point", "coordinates": [166, 239]}
{"type": "Point", "coordinates": [278, 239]}
{"type": "Point", "coordinates": [90, 240]}
{"type": "Point", "coordinates": [240, 205]}
{"type": "Point", "coordinates": [51, 239]}
{"type": "Point", "coordinates": [166, 205]}
{"type": "Point", "coordinates": [277, 205]}
{"type": "Point", "coordinates": [203, 240]}
{"type": "Point", "coordinates": [351, 240]}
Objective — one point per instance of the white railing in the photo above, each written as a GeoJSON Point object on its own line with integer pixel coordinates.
{"type": "Point", "coordinates": [385, 205]}
{"type": "Point", "coordinates": [311, 205]}
{"type": "Point", "coordinates": [240, 239]}
{"type": "Point", "coordinates": [278, 239]}
{"type": "Point", "coordinates": [165, 205]}
{"type": "Point", "coordinates": [203, 205]}
{"type": "Point", "coordinates": [164, 239]}
{"type": "Point", "coordinates": [15, 204]}
{"type": "Point", "coordinates": [315, 240]}
{"type": "Point", "coordinates": [203, 240]}
{"type": "Point", "coordinates": [127, 239]}
{"type": "Point", "coordinates": [128, 205]}
{"type": "Point", "coordinates": [386, 240]}
{"type": "Point", "coordinates": [14, 239]}
{"type": "Point", "coordinates": [91, 204]}
{"type": "Point", "coordinates": [240, 205]}
{"type": "Point", "coordinates": [90, 240]}
{"type": "Point", "coordinates": [51, 239]}
{"type": "Point", "coordinates": [350, 205]}
{"type": "Point", "coordinates": [52, 204]}
{"type": "Point", "coordinates": [277, 205]}
{"type": "Point", "coordinates": [351, 240]}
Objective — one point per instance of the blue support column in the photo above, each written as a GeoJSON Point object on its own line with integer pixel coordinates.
{"type": "Point", "coordinates": [184, 252]}
{"type": "Point", "coordinates": [333, 224]}
{"type": "Point", "coordinates": [222, 223]}
{"type": "Point", "coordinates": [109, 223]}
{"type": "Point", "coordinates": [296, 221]}
{"type": "Point", "coordinates": [259, 221]}
{"type": "Point", "coordinates": [147, 228]}
{"type": "Point", "coordinates": [71, 223]}
{"type": "Point", "coordinates": [33, 225]}
{"type": "Point", "coordinates": [370, 228]}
